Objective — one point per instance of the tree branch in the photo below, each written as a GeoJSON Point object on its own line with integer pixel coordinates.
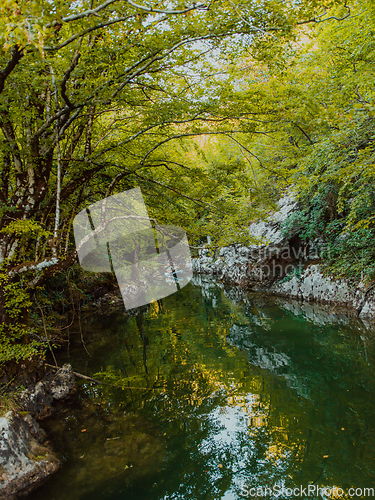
{"type": "Point", "coordinates": [85, 32]}
{"type": "Point", "coordinates": [76, 181]}
{"type": "Point", "coordinates": [95, 12]}
{"type": "Point", "coordinates": [10, 136]}
{"type": "Point", "coordinates": [253, 155]}
{"type": "Point", "coordinates": [49, 270]}
{"type": "Point", "coordinates": [15, 59]}
{"type": "Point", "coordinates": [66, 77]}
{"type": "Point", "coordinates": [199, 6]}
{"type": "Point", "coordinates": [192, 134]}
{"type": "Point", "coordinates": [50, 120]}
{"type": "Point", "coordinates": [304, 133]}
{"type": "Point", "coordinates": [33, 266]}
{"type": "Point", "coordinates": [153, 58]}
{"type": "Point", "coordinates": [86, 13]}
{"type": "Point", "coordinates": [318, 20]}
{"type": "Point", "coordinates": [194, 200]}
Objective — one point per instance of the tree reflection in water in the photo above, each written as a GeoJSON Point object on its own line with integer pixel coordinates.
{"type": "Point", "coordinates": [237, 389]}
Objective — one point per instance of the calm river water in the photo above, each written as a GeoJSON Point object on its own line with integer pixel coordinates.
{"type": "Point", "coordinates": [231, 393]}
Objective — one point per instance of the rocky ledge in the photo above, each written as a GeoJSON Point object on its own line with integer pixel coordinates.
{"type": "Point", "coordinates": [284, 265]}
{"type": "Point", "coordinates": [26, 456]}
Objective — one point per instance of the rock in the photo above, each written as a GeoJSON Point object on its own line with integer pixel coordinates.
{"type": "Point", "coordinates": [108, 299]}
{"type": "Point", "coordinates": [284, 266]}
{"type": "Point", "coordinates": [62, 383]}
{"type": "Point", "coordinates": [25, 463]}
{"type": "Point", "coordinates": [312, 285]}
{"type": "Point", "coordinates": [26, 460]}
{"type": "Point", "coordinates": [269, 232]}
{"type": "Point", "coordinates": [38, 399]}
{"type": "Point", "coordinates": [258, 262]}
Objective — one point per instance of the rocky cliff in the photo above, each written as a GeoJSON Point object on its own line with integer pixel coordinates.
{"type": "Point", "coordinates": [284, 265]}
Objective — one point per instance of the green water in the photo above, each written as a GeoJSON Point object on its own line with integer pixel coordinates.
{"type": "Point", "coordinates": [235, 391]}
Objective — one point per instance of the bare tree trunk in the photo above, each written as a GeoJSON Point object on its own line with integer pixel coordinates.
{"type": "Point", "coordinates": [58, 172]}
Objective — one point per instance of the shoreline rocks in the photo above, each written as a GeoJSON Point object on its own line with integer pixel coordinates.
{"type": "Point", "coordinates": [284, 266]}
{"type": "Point", "coordinates": [26, 456]}
{"type": "Point", "coordinates": [26, 460]}
{"type": "Point", "coordinates": [313, 286]}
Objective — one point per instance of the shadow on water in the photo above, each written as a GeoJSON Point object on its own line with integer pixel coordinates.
{"type": "Point", "coordinates": [234, 390]}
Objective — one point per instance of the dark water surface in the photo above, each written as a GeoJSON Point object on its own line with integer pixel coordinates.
{"type": "Point", "coordinates": [234, 391]}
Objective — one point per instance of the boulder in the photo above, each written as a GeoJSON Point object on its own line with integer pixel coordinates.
{"type": "Point", "coordinates": [26, 458]}
{"type": "Point", "coordinates": [25, 461]}
{"type": "Point", "coordinates": [38, 399]}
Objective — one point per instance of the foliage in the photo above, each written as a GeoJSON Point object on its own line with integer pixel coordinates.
{"type": "Point", "coordinates": [97, 98]}
{"type": "Point", "coordinates": [28, 228]}
{"type": "Point", "coordinates": [324, 142]}
{"type": "Point", "coordinates": [338, 201]}
{"type": "Point", "coordinates": [8, 398]}
{"type": "Point", "coordinates": [14, 331]}
{"type": "Point", "coordinates": [213, 110]}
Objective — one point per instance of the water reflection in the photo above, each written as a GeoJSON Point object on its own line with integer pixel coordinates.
{"type": "Point", "coordinates": [215, 390]}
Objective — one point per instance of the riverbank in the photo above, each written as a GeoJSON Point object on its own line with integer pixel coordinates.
{"type": "Point", "coordinates": [284, 265]}
{"type": "Point", "coordinates": [225, 379]}
{"type": "Point", "coordinates": [27, 457]}
{"type": "Point", "coordinates": [275, 264]}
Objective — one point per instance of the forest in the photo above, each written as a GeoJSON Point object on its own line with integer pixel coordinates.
{"type": "Point", "coordinates": [213, 109]}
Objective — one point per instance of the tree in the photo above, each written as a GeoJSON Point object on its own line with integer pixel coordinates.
{"type": "Point", "coordinates": [323, 139]}
{"type": "Point", "coordinates": [89, 94]}
{"type": "Point", "coordinates": [92, 97]}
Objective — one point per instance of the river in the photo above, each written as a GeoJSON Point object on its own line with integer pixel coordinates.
{"type": "Point", "coordinates": [232, 395]}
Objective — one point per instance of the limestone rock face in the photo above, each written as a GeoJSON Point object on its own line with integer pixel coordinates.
{"type": "Point", "coordinates": [241, 264]}
{"type": "Point", "coordinates": [24, 462]}
{"type": "Point", "coordinates": [269, 231]}
{"type": "Point", "coordinates": [283, 265]}
{"type": "Point", "coordinates": [313, 285]}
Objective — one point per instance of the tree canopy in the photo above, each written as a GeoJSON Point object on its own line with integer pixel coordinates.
{"type": "Point", "coordinates": [211, 108]}
{"type": "Point", "coordinates": [99, 96]}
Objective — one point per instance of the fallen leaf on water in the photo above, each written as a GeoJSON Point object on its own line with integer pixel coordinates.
{"type": "Point", "coordinates": [221, 466]}
{"type": "Point", "coordinates": [325, 456]}
{"type": "Point", "coordinates": [83, 430]}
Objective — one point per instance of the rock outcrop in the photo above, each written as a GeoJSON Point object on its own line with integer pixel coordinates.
{"type": "Point", "coordinates": [25, 461]}
{"type": "Point", "coordinates": [260, 262]}
{"type": "Point", "coordinates": [283, 265]}
{"type": "Point", "coordinates": [37, 400]}
{"type": "Point", "coordinates": [26, 458]}
{"type": "Point", "coordinates": [312, 285]}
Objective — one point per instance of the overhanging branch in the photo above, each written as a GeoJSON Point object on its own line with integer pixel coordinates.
{"type": "Point", "coordinates": [95, 12]}
{"type": "Point", "coordinates": [66, 77]}
{"type": "Point", "coordinates": [199, 6]}
{"type": "Point", "coordinates": [318, 19]}
{"type": "Point", "coordinates": [12, 63]}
